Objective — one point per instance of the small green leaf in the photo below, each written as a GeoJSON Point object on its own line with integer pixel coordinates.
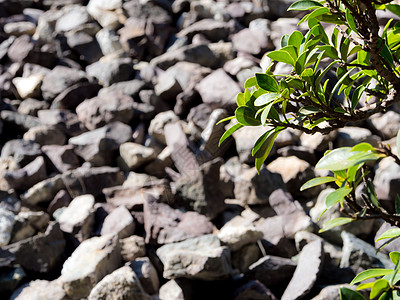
{"type": "Point", "coordinates": [349, 294]}
{"type": "Point", "coordinates": [245, 116]}
{"type": "Point", "coordinates": [394, 257]}
{"type": "Point", "coordinates": [355, 99]}
{"type": "Point", "coordinates": [265, 113]}
{"type": "Point", "coordinates": [350, 21]}
{"type": "Point", "coordinates": [281, 56]}
{"type": "Point", "coordinates": [329, 51]}
{"type": "Point", "coordinates": [267, 82]}
{"type": "Point", "coordinates": [304, 5]}
{"type": "Point", "coordinates": [335, 222]}
{"type": "Point", "coordinates": [372, 194]}
{"type": "Point", "coordinates": [240, 99]}
{"type": "Point", "coordinates": [316, 181]}
{"type": "Point", "coordinates": [337, 196]}
{"type": "Point", "coordinates": [260, 141]}
{"type": "Point", "coordinates": [371, 273]}
{"type": "Point", "coordinates": [295, 39]}
{"type": "Point", "coordinates": [226, 119]}
{"type": "Point", "coordinates": [380, 286]}
{"type": "Point", "coordinates": [355, 49]}
{"type": "Point", "coordinates": [393, 8]}
{"type": "Point", "coordinates": [265, 99]}
{"type": "Point", "coordinates": [363, 286]}
{"type": "Point", "coordinates": [318, 12]}
{"type": "Point", "coordinates": [388, 234]}
{"type": "Point", "coordinates": [329, 18]}
{"type": "Point", "coordinates": [264, 151]}
{"type": "Point", "coordinates": [284, 40]}
{"type": "Point", "coordinates": [250, 82]}
{"type": "Point", "coordinates": [229, 132]}
{"type": "Point", "coordinates": [363, 147]}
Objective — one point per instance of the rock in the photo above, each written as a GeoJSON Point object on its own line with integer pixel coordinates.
{"type": "Point", "coordinates": [41, 253]}
{"type": "Point", "coordinates": [32, 106]}
{"type": "Point", "coordinates": [43, 191]}
{"type": "Point", "coordinates": [88, 264]}
{"type": "Point", "coordinates": [351, 136]}
{"type": "Point", "coordinates": [392, 246]}
{"type": "Point", "coordinates": [29, 223]}
{"type": "Point", "coordinates": [254, 188]}
{"type": "Point", "coordinates": [74, 95]}
{"type": "Point", "coordinates": [132, 247]}
{"type": "Point", "coordinates": [9, 201]}
{"type": "Point", "coordinates": [253, 290]}
{"type": "Point", "coordinates": [7, 220]}
{"type": "Point", "coordinates": [72, 18]}
{"type": "Point", "coordinates": [45, 135]}
{"type": "Point", "coordinates": [40, 289]}
{"type": "Point", "coordinates": [172, 290]}
{"type": "Point", "coordinates": [10, 279]}
{"type": "Point", "coordinates": [111, 71]}
{"type": "Point", "coordinates": [309, 265]}
{"type": "Point", "coordinates": [63, 119]}
{"type": "Point", "coordinates": [156, 128]}
{"type": "Point", "coordinates": [19, 28]}
{"type": "Point", "coordinates": [62, 158]}
{"type": "Point", "coordinates": [99, 111]}
{"type": "Point", "coordinates": [164, 225]}
{"type": "Point", "coordinates": [196, 258]}
{"type": "Point", "coordinates": [97, 146]}
{"type": "Point", "coordinates": [239, 232]}
{"type": "Point", "coordinates": [213, 30]}
{"type": "Point", "coordinates": [26, 177]}
{"type": "Point", "coordinates": [29, 86]}
{"type": "Point", "coordinates": [385, 124]}
{"type": "Point", "coordinates": [252, 41]}
{"type": "Point", "coordinates": [119, 222]}
{"type": "Point", "coordinates": [61, 199]}
{"type": "Point", "coordinates": [317, 141]}
{"type": "Point", "coordinates": [78, 218]}
{"type": "Point", "coordinates": [167, 87]}
{"type": "Point", "coordinates": [200, 190]}
{"type": "Point", "coordinates": [130, 88]}
{"type": "Point", "coordinates": [295, 172]}
{"type": "Point", "coordinates": [108, 41]}
{"type": "Point", "coordinates": [271, 270]}
{"type": "Point", "coordinates": [218, 89]}
{"type": "Point", "coordinates": [83, 42]}
{"type": "Point", "coordinates": [135, 155]}
{"type": "Point", "coordinates": [22, 122]}
{"type": "Point", "coordinates": [386, 179]}
{"type": "Point", "coordinates": [123, 283]}
{"type": "Point", "coordinates": [107, 13]}
{"type": "Point", "coordinates": [331, 292]}
{"type": "Point", "coordinates": [59, 79]}
{"type": "Point", "coordinates": [147, 274]}
{"type": "Point", "coordinates": [360, 256]}
{"type": "Point", "coordinates": [246, 256]}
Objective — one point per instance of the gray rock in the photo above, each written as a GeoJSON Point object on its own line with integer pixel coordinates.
{"type": "Point", "coordinates": [111, 71]}
{"type": "Point", "coordinates": [135, 155]}
{"type": "Point", "coordinates": [40, 290]}
{"type": "Point", "coordinates": [218, 89]}
{"type": "Point", "coordinates": [386, 180]}
{"type": "Point", "coordinates": [19, 28]}
{"type": "Point", "coordinates": [246, 256]}
{"type": "Point", "coordinates": [88, 264]}
{"type": "Point", "coordinates": [107, 13]}
{"type": "Point", "coordinates": [43, 191]}
{"type": "Point", "coordinates": [156, 128]}
{"type": "Point", "coordinates": [308, 267]}
{"type": "Point", "coordinates": [331, 292]}
{"type": "Point", "coordinates": [18, 120]}
{"type": "Point", "coordinates": [164, 224]}
{"type": "Point", "coordinates": [72, 18]}
{"type": "Point", "coordinates": [10, 279]}
{"type": "Point", "coordinates": [147, 274]}
{"type": "Point", "coordinates": [317, 141]}
{"type": "Point", "coordinates": [59, 79]}
{"type": "Point", "coordinates": [40, 253]}
{"type": "Point", "coordinates": [74, 95]}
{"type": "Point", "coordinates": [123, 283]}
{"type": "Point", "coordinates": [7, 220]}
{"type": "Point", "coordinates": [63, 158]}
{"type": "Point", "coordinates": [172, 290]}
{"type": "Point", "coordinates": [213, 30]}
{"type": "Point", "coordinates": [28, 86]}
{"type": "Point", "coordinates": [360, 256]}
{"type": "Point", "coordinates": [29, 223]}
{"type": "Point", "coordinates": [239, 232]}
{"type": "Point", "coordinates": [271, 270]}
{"type": "Point", "coordinates": [386, 124]}
{"type": "Point", "coordinates": [132, 247]}
{"type": "Point", "coordinates": [78, 218]}
{"type": "Point", "coordinates": [253, 290]}
{"type": "Point", "coordinates": [167, 87]}
{"type": "Point", "coordinates": [119, 222]}
{"type": "Point", "coordinates": [108, 41]}
{"type": "Point", "coordinates": [10, 201]}
{"type": "Point", "coordinates": [97, 146]}
{"type": "Point", "coordinates": [45, 135]}
{"type": "Point", "coordinates": [254, 188]}
{"type": "Point", "coordinates": [130, 88]}
{"type": "Point", "coordinates": [252, 41]}
{"type": "Point", "coordinates": [99, 111]}
{"type": "Point", "coordinates": [392, 246]}
{"type": "Point", "coordinates": [61, 199]}
{"type": "Point", "coordinates": [200, 190]}
{"type": "Point", "coordinates": [351, 136]}
{"type": "Point", "coordinates": [63, 119]}
{"type": "Point", "coordinates": [197, 258]}
{"type": "Point", "coordinates": [32, 106]}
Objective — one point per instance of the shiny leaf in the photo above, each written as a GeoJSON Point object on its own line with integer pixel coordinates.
{"type": "Point", "coordinates": [370, 273]}
{"type": "Point", "coordinates": [316, 181]}
{"type": "Point", "coordinates": [335, 222]}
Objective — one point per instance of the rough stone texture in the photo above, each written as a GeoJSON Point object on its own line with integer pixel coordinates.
{"type": "Point", "coordinates": [132, 247]}
{"type": "Point", "coordinates": [135, 155]}
{"type": "Point", "coordinates": [197, 258]}
{"type": "Point", "coordinates": [41, 253]}
{"type": "Point", "coordinates": [147, 274]}
{"type": "Point", "coordinates": [253, 290]}
{"type": "Point", "coordinates": [351, 136]}
{"type": "Point", "coordinates": [109, 72]}
{"type": "Point", "coordinates": [43, 191]}
{"type": "Point", "coordinates": [88, 264]}
{"type": "Point", "coordinates": [21, 150]}
{"type": "Point", "coordinates": [308, 267]}
{"type": "Point", "coordinates": [28, 223]}
{"type": "Point", "coordinates": [7, 220]}
{"type": "Point", "coordinates": [45, 135]}
{"type": "Point", "coordinates": [40, 290]}
{"type": "Point", "coordinates": [119, 222]}
{"type": "Point", "coordinates": [123, 283]}
{"type": "Point", "coordinates": [63, 158]}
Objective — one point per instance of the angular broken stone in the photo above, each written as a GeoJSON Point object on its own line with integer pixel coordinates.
{"type": "Point", "coordinates": [45, 135]}
{"type": "Point", "coordinates": [63, 158]}
{"type": "Point", "coordinates": [7, 220]}
{"type": "Point", "coordinates": [74, 95]}
{"type": "Point", "coordinates": [132, 247]}
{"type": "Point", "coordinates": [42, 252]}
{"type": "Point", "coordinates": [308, 267]}
{"type": "Point", "coordinates": [119, 222]}
{"type": "Point", "coordinates": [43, 191]}
{"type": "Point", "coordinates": [197, 258]}
{"type": "Point", "coordinates": [253, 290]}
{"type": "Point", "coordinates": [112, 71]}
{"type": "Point", "coordinates": [40, 289]}
{"type": "Point", "coordinates": [28, 223]}
{"type": "Point", "coordinates": [29, 86]}
{"type": "Point", "coordinates": [135, 155]}
{"type": "Point", "coordinates": [78, 218]}
{"type": "Point", "coordinates": [90, 263]}
{"type": "Point", "coordinates": [63, 119]}
{"type": "Point", "coordinates": [147, 274]}
{"type": "Point", "coordinates": [20, 121]}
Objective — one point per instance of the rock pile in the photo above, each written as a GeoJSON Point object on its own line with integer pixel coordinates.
{"type": "Point", "coordinates": [112, 185]}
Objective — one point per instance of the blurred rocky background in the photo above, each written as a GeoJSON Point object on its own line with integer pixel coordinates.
{"type": "Point", "coordinates": [112, 184]}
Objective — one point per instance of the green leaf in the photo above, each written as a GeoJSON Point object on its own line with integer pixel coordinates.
{"type": "Point", "coordinates": [380, 286]}
{"type": "Point", "coordinates": [240, 99]}
{"type": "Point", "coordinates": [337, 196]}
{"type": "Point", "coordinates": [329, 51]}
{"type": "Point", "coordinates": [260, 141]}
{"type": "Point", "coordinates": [250, 82]}
{"type": "Point", "coordinates": [350, 21]}
{"type": "Point", "coordinates": [245, 116]}
{"type": "Point", "coordinates": [318, 12]}
{"type": "Point", "coordinates": [394, 257]}
{"type": "Point", "coordinates": [267, 82]}
{"type": "Point", "coordinates": [316, 181]}
{"type": "Point", "coordinates": [344, 48]}
{"type": "Point", "coordinates": [281, 56]}
{"type": "Point", "coordinates": [387, 55]}
{"type": "Point", "coordinates": [265, 113]}
{"type": "Point", "coordinates": [372, 194]}
{"type": "Point", "coordinates": [329, 18]}
{"type": "Point", "coordinates": [363, 286]}
{"type": "Point", "coordinates": [355, 99]}
{"type": "Point", "coordinates": [229, 132]}
{"type": "Point", "coordinates": [371, 273]}
{"type": "Point", "coordinates": [388, 234]}
{"type": "Point", "coordinates": [343, 78]}
{"type": "Point", "coordinates": [349, 294]}
{"type": "Point", "coordinates": [284, 40]}
{"type": "Point", "coordinates": [295, 40]}
{"type": "Point", "coordinates": [226, 119]}
{"type": "Point", "coordinates": [308, 76]}
{"type": "Point", "coordinates": [393, 8]}
{"type": "Point", "coordinates": [386, 295]}
{"type": "Point", "coordinates": [264, 151]}
{"type": "Point", "coordinates": [334, 37]}
{"type": "Point", "coordinates": [324, 72]}
{"type": "Point", "coordinates": [304, 5]}
{"type": "Point", "coordinates": [344, 158]}
{"type": "Point", "coordinates": [355, 49]}
{"type": "Point", "coordinates": [265, 99]}
{"type": "Point", "coordinates": [335, 222]}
